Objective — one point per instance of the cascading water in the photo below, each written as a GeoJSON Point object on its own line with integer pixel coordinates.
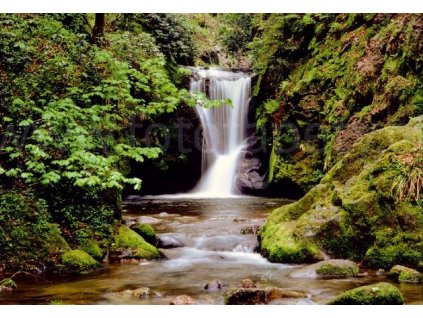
{"type": "Point", "coordinates": [224, 129]}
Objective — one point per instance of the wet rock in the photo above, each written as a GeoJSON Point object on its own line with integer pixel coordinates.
{"type": "Point", "coordinates": [238, 219]}
{"type": "Point", "coordinates": [118, 254]}
{"type": "Point", "coordinates": [248, 283]}
{"type": "Point", "coordinates": [257, 296]}
{"type": "Point", "coordinates": [376, 294]}
{"type": "Point", "coordinates": [7, 285]}
{"type": "Point", "coordinates": [130, 221]}
{"type": "Point", "coordinates": [244, 296]}
{"type": "Point", "coordinates": [148, 219]}
{"type": "Point", "coordinates": [182, 300]}
{"type": "Point", "coordinates": [142, 292]}
{"type": "Point", "coordinates": [405, 275]}
{"type": "Point", "coordinates": [168, 242]}
{"type": "Point", "coordinates": [380, 272]}
{"type": "Point", "coordinates": [215, 285]}
{"type": "Point", "coordinates": [334, 268]}
{"type": "Point", "coordinates": [278, 293]}
{"type": "Point", "coordinates": [253, 229]}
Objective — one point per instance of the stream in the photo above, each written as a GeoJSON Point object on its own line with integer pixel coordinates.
{"type": "Point", "coordinates": [212, 248]}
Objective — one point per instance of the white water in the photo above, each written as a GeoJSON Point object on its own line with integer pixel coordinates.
{"type": "Point", "coordinates": [224, 130]}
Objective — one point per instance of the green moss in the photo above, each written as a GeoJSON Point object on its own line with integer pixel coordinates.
{"type": "Point", "coordinates": [376, 294]}
{"type": "Point", "coordinates": [28, 237]}
{"type": "Point", "coordinates": [410, 277]}
{"type": "Point", "coordinates": [405, 275]}
{"type": "Point", "coordinates": [146, 231]}
{"type": "Point", "coordinates": [126, 238]}
{"type": "Point", "coordinates": [353, 212]}
{"type": "Point", "coordinates": [8, 284]}
{"type": "Point", "coordinates": [79, 261]}
{"type": "Point", "coordinates": [391, 248]}
{"type": "Point", "coordinates": [92, 248]}
{"type": "Point", "coordinates": [332, 270]}
{"type": "Point", "coordinates": [279, 244]}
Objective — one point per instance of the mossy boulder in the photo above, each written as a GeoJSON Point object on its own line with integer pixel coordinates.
{"type": "Point", "coordinates": [359, 210]}
{"type": "Point", "coordinates": [146, 231]}
{"type": "Point", "coordinates": [376, 294]}
{"type": "Point", "coordinates": [92, 248]}
{"type": "Point", "coordinates": [137, 247]}
{"type": "Point", "coordinates": [335, 268]}
{"type": "Point", "coordinates": [405, 275]}
{"type": "Point", "coordinates": [7, 285]}
{"type": "Point", "coordinates": [78, 261]}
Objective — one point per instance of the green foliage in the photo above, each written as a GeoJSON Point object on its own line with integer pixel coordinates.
{"type": "Point", "coordinates": [172, 33]}
{"type": "Point", "coordinates": [67, 108]}
{"type": "Point", "coordinates": [78, 118]}
{"type": "Point", "coordinates": [28, 239]}
{"type": "Point", "coordinates": [237, 32]}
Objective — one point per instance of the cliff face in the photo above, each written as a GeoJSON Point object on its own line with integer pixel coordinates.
{"type": "Point", "coordinates": [326, 80]}
{"type": "Point", "coordinates": [367, 207]}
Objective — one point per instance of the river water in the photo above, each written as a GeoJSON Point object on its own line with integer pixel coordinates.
{"type": "Point", "coordinates": [213, 249]}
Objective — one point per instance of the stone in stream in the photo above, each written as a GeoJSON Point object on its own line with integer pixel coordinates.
{"type": "Point", "coordinates": [376, 294]}
{"type": "Point", "coordinates": [215, 285]}
{"type": "Point", "coordinates": [248, 283]}
{"type": "Point", "coordinates": [334, 268]}
{"type": "Point", "coordinates": [142, 292]}
{"type": "Point", "coordinates": [405, 275]}
{"type": "Point", "coordinates": [253, 229]}
{"type": "Point", "coordinates": [257, 296]}
{"type": "Point", "coordinates": [380, 272]}
{"type": "Point", "coordinates": [148, 219]}
{"type": "Point", "coordinates": [168, 242]}
{"type": "Point", "coordinates": [182, 300]}
{"type": "Point", "coordinates": [239, 219]}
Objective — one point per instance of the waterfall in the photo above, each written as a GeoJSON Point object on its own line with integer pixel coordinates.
{"type": "Point", "coordinates": [224, 129]}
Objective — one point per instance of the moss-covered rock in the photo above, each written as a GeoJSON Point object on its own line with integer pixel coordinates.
{"type": "Point", "coordinates": [337, 269]}
{"type": "Point", "coordinates": [376, 294]}
{"type": "Point", "coordinates": [7, 285]}
{"type": "Point", "coordinates": [78, 261]}
{"type": "Point", "coordinates": [125, 238]}
{"type": "Point", "coordinates": [91, 247]}
{"type": "Point", "coordinates": [351, 73]}
{"type": "Point", "coordinates": [334, 268]}
{"type": "Point", "coordinates": [361, 209]}
{"type": "Point", "coordinates": [146, 231]}
{"type": "Point", "coordinates": [405, 275]}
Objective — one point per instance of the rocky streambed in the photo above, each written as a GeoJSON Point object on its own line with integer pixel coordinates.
{"type": "Point", "coordinates": [209, 256]}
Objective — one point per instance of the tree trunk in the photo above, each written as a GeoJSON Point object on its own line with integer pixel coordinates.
{"type": "Point", "coordinates": [98, 30]}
